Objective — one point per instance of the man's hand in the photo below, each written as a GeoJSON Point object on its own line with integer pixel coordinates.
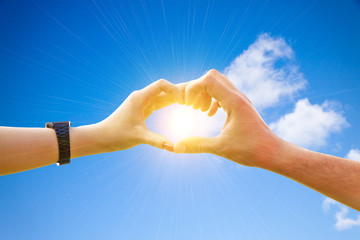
{"type": "Point", "coordinates": [244, 137]}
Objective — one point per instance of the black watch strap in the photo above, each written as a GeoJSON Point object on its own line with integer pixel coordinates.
{"type": "Point", "coordinates": [63, 137]}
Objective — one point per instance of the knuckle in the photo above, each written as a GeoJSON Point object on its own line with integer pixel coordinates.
{"type": "Point", "coordinates": [157, 142]}
{"type": "Point", "coordinates": [190, 91]}
{"type": "Point", "coordinates": [209, 79]}
{"type": "Point", "coordinates": [213, 72]}
{"type": "Point", "coordinates": [135, 94]}
{"type": "Point", "coordinates": [162, 82]}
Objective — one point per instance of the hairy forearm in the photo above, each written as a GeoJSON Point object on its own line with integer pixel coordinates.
{"type": "Point", "coordinates": [335, 177]}
{"type": "Point", "coordinates": [27, 148]}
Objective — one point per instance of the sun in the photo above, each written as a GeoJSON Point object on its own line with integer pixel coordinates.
{"type": "Point", "coordinates": [184, 122]}
{"type": "Point", "coordinates": [180, 121]}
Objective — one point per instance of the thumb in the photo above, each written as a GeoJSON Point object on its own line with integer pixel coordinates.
{"type": "Point", "coordinates": [195, 145]}
{"type": "Point", "coordinates": [158, 141]}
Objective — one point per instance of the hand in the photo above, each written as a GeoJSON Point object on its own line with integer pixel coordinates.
{"type": "Point", "coordinates": [126, 128]}
{"type": "Point", "coordinates": [27, 148]}
{"type": "Point", "coordinates": [245, 137]}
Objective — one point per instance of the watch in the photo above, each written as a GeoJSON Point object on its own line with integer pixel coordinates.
{"type": "Point", "coordinates": [63, 137]}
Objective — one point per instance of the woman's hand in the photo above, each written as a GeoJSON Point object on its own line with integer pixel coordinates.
{"type": "Point", "coordinates": [28, 148]}
{"type": "Point", "coordinates": [126, 128]}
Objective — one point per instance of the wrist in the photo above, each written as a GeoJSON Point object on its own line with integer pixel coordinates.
{"type": "Point", "coordinates": [86, 140]}
{"type": "Point", "coordinates": [269, 152]}
{"type": "Point", "coordinates": [279, 155]}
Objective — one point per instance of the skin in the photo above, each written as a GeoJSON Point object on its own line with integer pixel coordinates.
{"type": "Point", "coordinates": [247, 140]}
{"type": "Point", "coordinates": [28, 148]}
{"type": "Point", "coordinates": [244, 139]}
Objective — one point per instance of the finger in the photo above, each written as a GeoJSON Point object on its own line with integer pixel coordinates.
{"type": "Point", "coordinates": [206, 102]}
{"type": "Point", "coordinates": [190, 94]}
{"type": "Point", "coordinates": [222, 78]}
{"type": "Point", "coordinates": [214, 87]}
{"type": "Point", "coordinates": [154, 89]}
{"type": "Point", "coordinates": [157, 140]}
{"type": "Point", "coordinates": [163, 100]}
{"type": "Point", "coordinates": [213, 108]}
{"type": "Point", "coordinates": [183, 85]}
{"type": "Point", "coordinates": [196, 145]}
{"type": "Point", "coordinates": [198, 102]}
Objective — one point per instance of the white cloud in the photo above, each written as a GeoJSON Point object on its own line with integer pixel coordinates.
{"type": "Point", "coordinates": [265, 72]}
{"type": "Point", "coordinates": [354, 154]}
{"type": "Point", "coordinates": [309, 125]}
{"type": "Point", "coordinates": [327, 204]}
{"type": "Point", "coordinates": [342, 221]}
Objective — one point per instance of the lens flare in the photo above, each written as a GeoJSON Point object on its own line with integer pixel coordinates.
{"type": "Point", "coordinates": [179, 121]}
{"type": "Point", "coordinates": [183, 121]}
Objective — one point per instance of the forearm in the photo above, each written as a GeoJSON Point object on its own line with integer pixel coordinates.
{"type": "Point", "coordinates": [28, 148]}
{"type": "Point", "coordinates": [86, 140]}
{"type": "Point", "coordinates": [332, 176]}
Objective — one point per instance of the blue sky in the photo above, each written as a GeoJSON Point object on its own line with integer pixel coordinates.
{"type": "Point", "coordinates": [78, 60]}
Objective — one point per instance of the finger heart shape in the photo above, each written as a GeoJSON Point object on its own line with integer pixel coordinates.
{"type": "Point", "coordinates": [180, 122]}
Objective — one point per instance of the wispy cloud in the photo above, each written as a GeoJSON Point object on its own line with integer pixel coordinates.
{"type": "Point", "coordinates": [309, 124]}
{"type": "Point", "coordinates": [265, 72]}
{"type": "Point", "coordinates": [354, 154]}
{"type": "Point", "coordinates": [343, 222]}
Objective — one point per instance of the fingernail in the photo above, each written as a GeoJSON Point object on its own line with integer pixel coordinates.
{"type": "Point", "coordinates": [180, 148]}
{"type": "Point", "coordinates": [168, 147]}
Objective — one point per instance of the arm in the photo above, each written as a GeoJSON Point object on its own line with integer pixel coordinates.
{"type": "Point", "coordinates": [247, 140]}
{"type": "Point", "coordinates": [27, 148]}
{"type": "Point", "coordinates": [335, 177]}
